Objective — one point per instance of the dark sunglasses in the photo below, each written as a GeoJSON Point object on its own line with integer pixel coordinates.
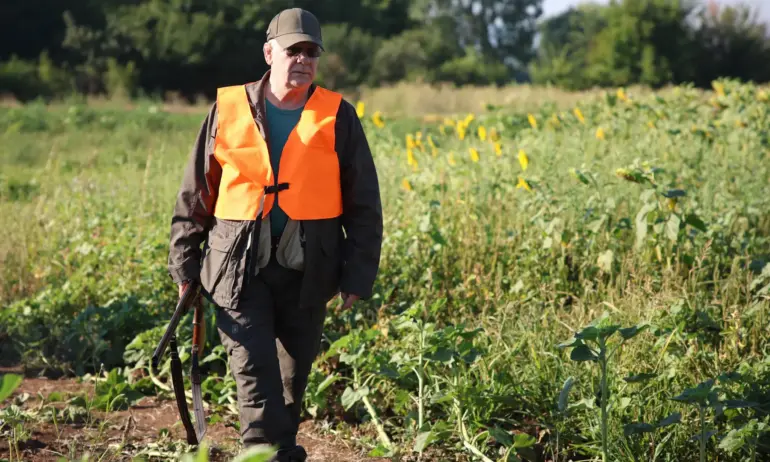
{"type": "Point", "coordinates": [310, 52]}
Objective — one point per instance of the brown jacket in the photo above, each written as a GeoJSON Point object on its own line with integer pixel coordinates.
{"type": "Point", "coordinates": [340, 254]}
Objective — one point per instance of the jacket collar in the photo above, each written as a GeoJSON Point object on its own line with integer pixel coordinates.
{"type": "Point", "coordinates": [256, 94]}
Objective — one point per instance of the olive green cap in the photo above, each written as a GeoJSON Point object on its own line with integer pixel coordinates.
{"type": "Point", "coordinates": [295, 25]}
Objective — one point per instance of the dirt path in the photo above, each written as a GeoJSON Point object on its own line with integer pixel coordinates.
{"type": "Point", "coordinates": [150, 429]}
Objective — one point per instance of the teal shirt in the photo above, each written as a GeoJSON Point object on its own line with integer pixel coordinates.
{"type": "Point", "coordinates": [280, 123]}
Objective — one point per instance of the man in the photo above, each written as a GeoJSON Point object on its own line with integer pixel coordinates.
{"type": "Point", "coordinates": [282, 186]}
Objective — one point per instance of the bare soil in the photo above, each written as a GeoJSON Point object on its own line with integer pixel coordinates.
{"type": "Point", "coordinates": [150, 429]}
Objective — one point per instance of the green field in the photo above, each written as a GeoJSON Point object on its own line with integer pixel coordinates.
{"type": "Point", "coordinates": [560, 284]}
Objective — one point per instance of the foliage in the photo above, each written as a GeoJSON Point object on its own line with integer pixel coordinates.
{"type": "Point", "coordinates": [651, 42]}
{"type": "Point", "coordinates": [507, 232]}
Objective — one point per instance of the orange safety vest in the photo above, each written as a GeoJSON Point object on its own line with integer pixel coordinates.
{"type": "Point", "coordinates": [308, 174]}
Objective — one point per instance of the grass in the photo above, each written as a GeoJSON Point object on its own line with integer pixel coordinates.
{"type": "Point", "coordinates": [502, 243]}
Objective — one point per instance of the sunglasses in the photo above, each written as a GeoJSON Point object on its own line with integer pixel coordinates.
{"type": "Point", "coordinates": [310, 52]}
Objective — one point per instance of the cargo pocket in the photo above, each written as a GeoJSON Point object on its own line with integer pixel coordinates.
{"type": "Point", "coordinates": [217, 266]}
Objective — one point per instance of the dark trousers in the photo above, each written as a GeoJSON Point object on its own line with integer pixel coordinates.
{"type": "Point", "coordinates": [271, 342]}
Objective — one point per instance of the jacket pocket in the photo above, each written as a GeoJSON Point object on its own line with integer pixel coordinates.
{"type": "Point", "coordinates": [217, 268]}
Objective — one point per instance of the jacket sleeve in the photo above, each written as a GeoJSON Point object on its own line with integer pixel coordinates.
{"type": "Point", "coordinates": [194, 207]}
{"type": "Point", "coordinates": [362, 208]}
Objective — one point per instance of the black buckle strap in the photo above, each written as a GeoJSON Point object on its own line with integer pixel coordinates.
{"type": "Point", "coordinates": [272, 189]}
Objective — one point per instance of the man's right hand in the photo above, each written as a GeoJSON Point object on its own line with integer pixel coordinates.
{"type": "Point", "coordinates": [182, 288]}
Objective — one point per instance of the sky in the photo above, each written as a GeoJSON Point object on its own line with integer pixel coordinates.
{"type": "Point", "coordinates": [551, 7]}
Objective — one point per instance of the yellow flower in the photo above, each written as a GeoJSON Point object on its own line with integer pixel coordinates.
{"type": "Point", "coordinates": [523, 184]}
{"type": "Point", "coordinates": [442, 129]}
{"type": "Point", "coordinates": [532, 121]}
{"type": "Point", "coordinates": [651, 124]}
{"type": "Point", "coordinates": [418, 141]}
{"type": "Point", "coordinates": [579, 115]}
{"type": "Point", "coordinates": [482, 133]}
{"type": "Point", "coordinates": [493, 135]}
{"type": "Point", "coordinates": [474, 154]}
{"type": "Point", "coordinates": [451, 159]}
{"type": "Point", "coordinates": [621, 93]}
{"type": "Point", "coordinates": [410, 141]}
{"type": "Point", "coordinates": [406, 185]}
{"type": "Point", "coordinates": [461, 131]}
{"type": "Point", "coordinates": [600, 133]}
{"type": "Point", "coordinates": [410, 160]}
{"type": "Point", "coordinates": [498, 149]}
{"type": "Point", "coordinates": [377, 119]}
{"type": "Point", "coordinates": [523, 159]}
{"type": "Point", "coordinates": [360, 109]}
{"type": "Point", "coordinates": [468, 119]}
{"type": "Point", "coordinates": [762, 95]}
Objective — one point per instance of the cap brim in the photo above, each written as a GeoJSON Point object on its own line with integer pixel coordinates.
{"type": "Point", "coordinates": [288, 40]}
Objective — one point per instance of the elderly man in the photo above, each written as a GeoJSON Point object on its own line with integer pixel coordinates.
{"type": "Point", "coordinates": [282, 187]}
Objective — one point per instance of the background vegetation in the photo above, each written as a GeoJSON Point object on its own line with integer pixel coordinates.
{"type": "Point", "coordinates": [50, 48]}
{"type": "Point", "coordinates": [565, 282]}
{"type": "Point", "coordinates": [566, 275]}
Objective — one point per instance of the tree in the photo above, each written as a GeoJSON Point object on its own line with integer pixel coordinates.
{"type": "Point", "coordinates": [733, 42]}
{"type": "Point", "coordinates": [503, 30]}
{"type": "Point", "coordinates": [563, 48]}
{"type": "Point", "coordinates": [644, 41]}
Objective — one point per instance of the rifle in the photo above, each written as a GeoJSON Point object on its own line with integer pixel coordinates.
{"type": "Point", "coordinates": [194, 434]}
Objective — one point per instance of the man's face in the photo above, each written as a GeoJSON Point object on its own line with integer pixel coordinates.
{"type": "Point", "coordinates": [295, 65]}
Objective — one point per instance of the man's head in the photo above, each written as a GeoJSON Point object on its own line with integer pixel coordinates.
{"type": "Point", "coordinates": [293, 46]}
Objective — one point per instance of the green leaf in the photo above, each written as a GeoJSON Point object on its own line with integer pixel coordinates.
{"type": "Point", "coordinates": [523, 440]}
{"type": "Point", "coordinates": [672, 227]}
{"type": "Point", "coordinates": [588, 333]}
{"type": "Point", "coordinates": [631, 332]}
{"type": "Point", "coordinates": [696, 222]}
{"type": "Point", "coordinates": [699, 394]}
{"type": "Point", "coordinates": [583, 353]}
{"type": "Point", "coordinates": [8, 384]}
{"type": "Point", "coordinates": [674, 193]}
{"type": "Point", "coordinates": [733, 441]}
{"type": "Point", "coordinates": [637, 428]}
{"type": "Point", "coordinates": [639, 377]}
{"type": "Point", "coordinates": [501, 436]}
{"type": "Point", "coordinates": [564, 395]}
{"type": "Point", "coordinates": [351, 397]}
{"type": "Point", "coordinates": [423, 440]}
{"type": "Point", "coordinates": [739, 404]}
{"type": "Point", "coordinates": [674, 418]}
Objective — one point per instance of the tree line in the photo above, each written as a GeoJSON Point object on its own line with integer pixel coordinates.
{"type": "Point", "coordinates": [51, 48]}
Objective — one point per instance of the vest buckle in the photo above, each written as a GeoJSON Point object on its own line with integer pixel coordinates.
{"type": "Point", "coordinates": [273, 189]}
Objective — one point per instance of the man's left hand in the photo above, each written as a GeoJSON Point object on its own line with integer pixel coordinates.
{"type": "Point", "coordinates": [348, 299]}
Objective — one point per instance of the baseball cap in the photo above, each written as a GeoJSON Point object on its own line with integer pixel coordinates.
{"type": "Point", "coordinates": [295, 25]}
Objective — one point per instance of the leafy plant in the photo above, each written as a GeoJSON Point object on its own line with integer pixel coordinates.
{"type": "Point", "coordinates": [592, 343]}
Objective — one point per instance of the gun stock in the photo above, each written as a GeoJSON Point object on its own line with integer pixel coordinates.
{"type": "Point", "coordinates": [182, 307]}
